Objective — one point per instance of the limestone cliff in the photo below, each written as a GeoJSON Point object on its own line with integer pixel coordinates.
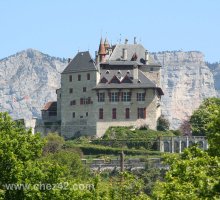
{"type": "Point", "coordinates": [186, 80]}
{"type": "Point", "coordinates": [28, 80]}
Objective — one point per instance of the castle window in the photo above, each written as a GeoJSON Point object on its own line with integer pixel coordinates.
{"type": "Point", "coordinates": [85, 101]}
{"type": "Point", "coordinates": [73, 102]}
{"type": "Point", "coordinates": [100, 113]}
{"type": "Point", "coordinates": [52, 113]}
{"type": "Point", "coordinates": [88, 76]}
{"type": "Point", "coordinates": [114, 113]}
{"type": "Point", "coordinates": [114, 96]}
{"type": "Point", "coordinates": [70, 78]}
{"type": "Point", "coordinates": [87, 114]}
{"type": "Point", "coordinates": [127, 113]}
{"type": "Point", "coordinates": [73, 114]}
{"type": "Point", "coordinates": [141, 113]}
{"type": "Point", "coordinates": [101, 97]}
{"type": "Point", "coordinates": [71, 90]}
{"type": "Point", "coordinates": [141, 96]}
{"type": "Point", "coordinates": [84, 89]}
{"type": "Point", "coordinates": [126, 96]}
{"type": "Point", "coordinates": [79, 77]}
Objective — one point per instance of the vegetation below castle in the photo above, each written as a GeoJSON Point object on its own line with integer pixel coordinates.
{"type": "Point", "coordinates": [50, 168]}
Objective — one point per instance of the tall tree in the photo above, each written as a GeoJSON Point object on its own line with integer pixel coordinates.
{"type": "Point", "coordinates": [192, 175]}
{"type": "Point", "coordinates": [202, 116]}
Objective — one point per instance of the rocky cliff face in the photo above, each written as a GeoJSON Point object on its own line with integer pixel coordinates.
{"type": "Point", "coordinates": [28, 80]}
{"type": "Point", "coordinates": [215, 68]}
{"type": "Point", "coordinates": [186, 80]}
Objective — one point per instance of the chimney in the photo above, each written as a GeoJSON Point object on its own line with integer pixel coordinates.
{"type": "Point", "coordinates": [126, 41]}
{"type": "Point", "coordinates": [96, 57]}
{"type": "Point", "coordinates": [146, 57]}
{"type": "Point", "coordinates": [124, 54]}
{"type": "Point", "coordinates": [69, 60]}
{"type": "Point", "coordinates": [135, 72]}
{"type": "Point", "coordinates": [135, 42]}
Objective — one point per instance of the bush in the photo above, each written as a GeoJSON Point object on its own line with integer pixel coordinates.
{"type": "Point", "coordinates": [54, 143]}
{"type": "Point", "coordinates": [163, 124]}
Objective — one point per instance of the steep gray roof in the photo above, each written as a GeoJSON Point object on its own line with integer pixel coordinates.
{"type": "Point", "coordinates": [141, 82]}
{"type": "Point", "coordinates": [81, 62]}
{"type": "Point", "coordinates": [131, 50]}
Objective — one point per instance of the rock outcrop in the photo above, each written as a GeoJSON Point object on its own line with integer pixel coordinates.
{"type": "Point", "coordinates": [28, 80]}
{"type": "Point", "coordinates": [186, 80]}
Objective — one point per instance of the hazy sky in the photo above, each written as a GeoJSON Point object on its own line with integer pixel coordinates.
{"type": "Point", "coordinates": [62, 27]}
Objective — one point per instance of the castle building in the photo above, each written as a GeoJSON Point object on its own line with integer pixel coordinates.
{"type": "Point", "coordinates": [120, 87]}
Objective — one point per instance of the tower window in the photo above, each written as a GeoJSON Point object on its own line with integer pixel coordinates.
{"type": "Point", "coordinates": [88, 76]}
{"type": "Point", "coordinates": [141, 114]}
{"type": "Point", "coordinates": [70, 78]}
{"type": "Point", "coordinates": [79, 77]}
{"type": "Point", "coordinates": [84, 89]}
{"type": "Point", "coordinates": [100, 113]}
{"type": "Point", "coordinates": [127, 113]}
{"type": "Point", "coordinates": [71, 90]}
{"type": "Point", "coordinates": [114, 113]}
{"type": "Point", "coordinates": [87, 114]}
{"type": "Point", "coordinates": [74, 114]}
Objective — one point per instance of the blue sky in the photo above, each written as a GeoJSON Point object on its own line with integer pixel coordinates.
{"type": "Point", "coordinates": [62, 27]}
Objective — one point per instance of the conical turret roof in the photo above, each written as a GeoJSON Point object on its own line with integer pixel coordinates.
{"type": "Point", "coordinates": [102, 48]}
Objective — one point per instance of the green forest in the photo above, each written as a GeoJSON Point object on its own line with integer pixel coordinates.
{"type": "Point", "coordinates": [33, 166]}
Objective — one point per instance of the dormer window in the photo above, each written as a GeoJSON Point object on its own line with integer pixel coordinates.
{"type": "Point", "coordinates": [115, 80]}
{"type": "Point", "coordinates": [107, 72]}
{"type": "Point", "coordinates": [126, 79]}
{"type": "Point", "coordinates": [134, 57]}
{"type": "Point", "coordinates": [119, 72]}
{"type": "Point", "coordinates": [139, 81]}
{"type": "Point", "coordinates": [103, 80]}
{"type": "Point", "coordinates": [128, 72]}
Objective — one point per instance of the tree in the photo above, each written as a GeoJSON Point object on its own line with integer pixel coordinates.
{"type": "Point", "coordinates": [202, 116]}
{"type": "Point", "coordinates": [18, 148]}
{"type": "Point", "coordinates": [192, 175]}
{"type": "Point", "coordinates": [185, 128]}
{"type": "Point", "coordinates": [162, 124]}
{"type": "Point", "coordinates": [23, 175]}
{"type": "Point", "coordinates": [214, 131]}
{"type": "Point", "coordinates": [70, 160]}
{"type": "Point", "coordinates": [54, 143]}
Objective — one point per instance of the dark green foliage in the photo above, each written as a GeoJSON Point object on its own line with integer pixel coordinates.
{"type": "Point", "coordinates": [176, 132]}
{"type": "Point", "coordinates": [192, 175]}
{"type": "Point", "coordinates": [127, 133]}
{"type": "Point", "coordinates": [163, 124]}
{"type": "Point", "coordinates": [54, 143]}
{"type": "Point", "coordinates": [70, 160]}
{"type": "Point", "coordinates": [89, 149]}
{"type": "Point", "coordinates": [202, 116]}
{"type": "Point", "coordinates": [150, 176]}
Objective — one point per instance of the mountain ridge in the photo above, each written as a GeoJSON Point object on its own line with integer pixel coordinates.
{"type": "Point", "coordinates": [29, 78]}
